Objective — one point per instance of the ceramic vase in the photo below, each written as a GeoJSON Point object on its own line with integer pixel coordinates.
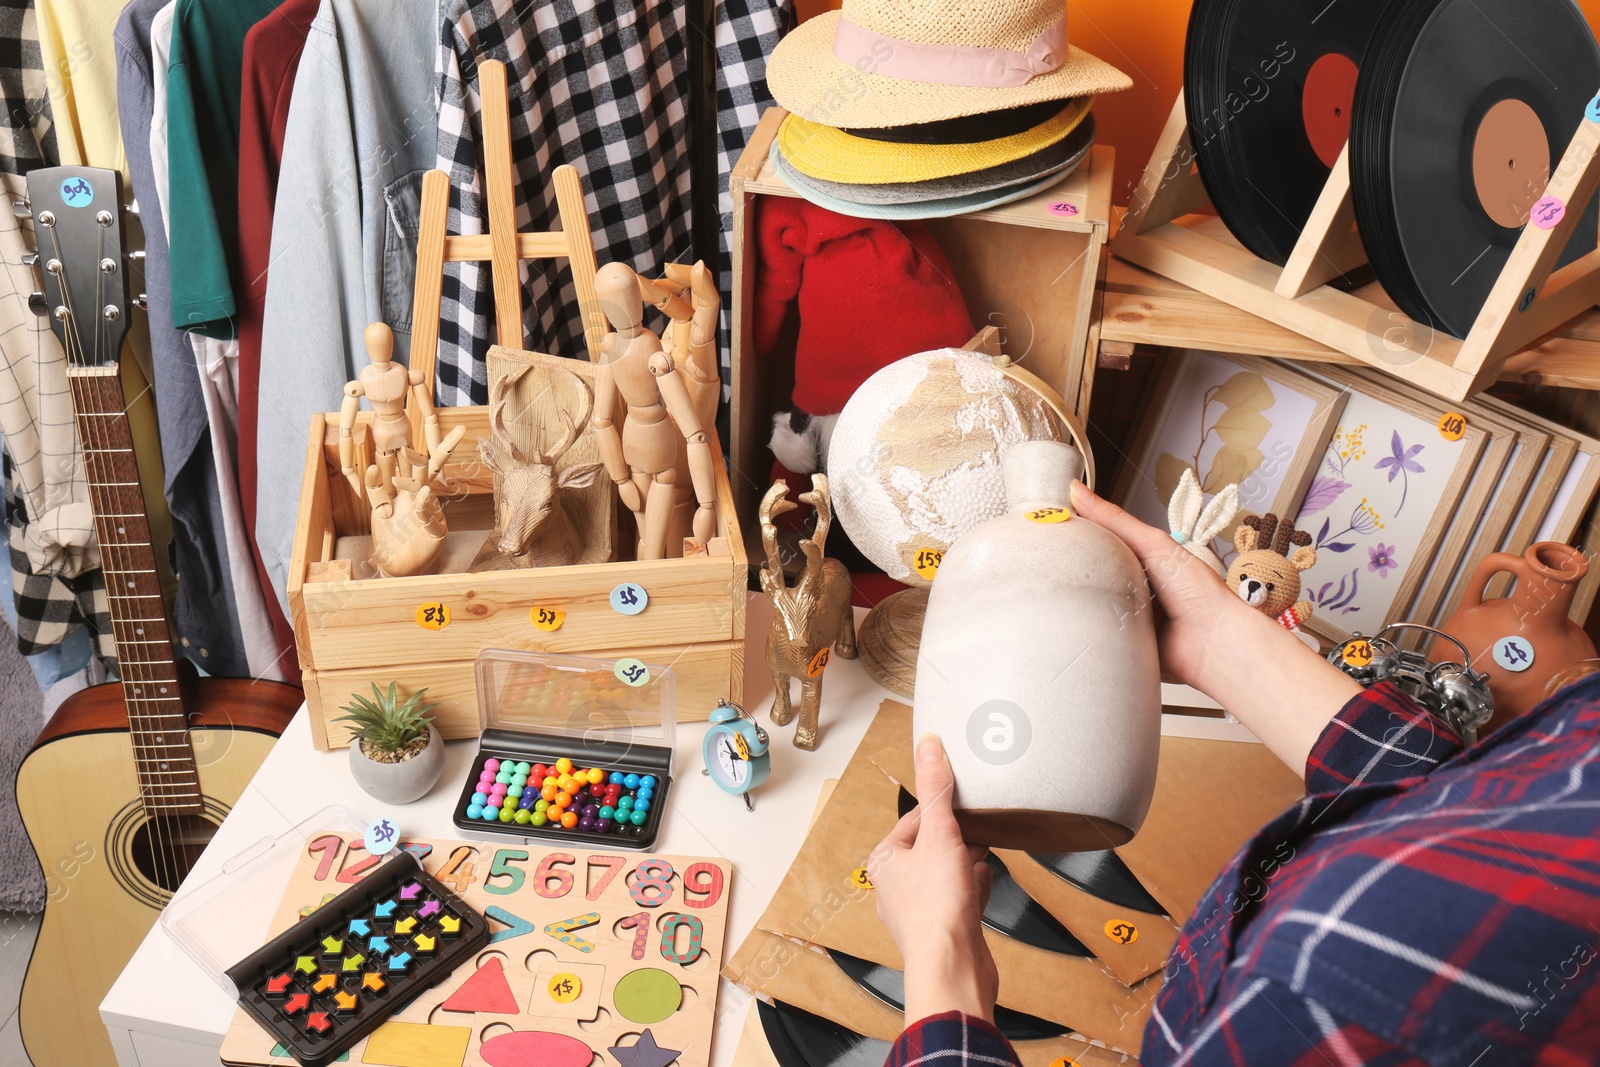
{"type": "Point", "coordinates": [1038, 670]}
{"type": "Point", "coordinates": [1524, 640]}
{"type": "Point", "coordinates": [399, 783]}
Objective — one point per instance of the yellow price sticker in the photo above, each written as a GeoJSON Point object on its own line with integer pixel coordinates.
{"type": "Point", "coordinates": [859, 877]}
{"type": "Point", "coordinates": [818, 662]}
{"type": "Point", "coordinates": [1357, 652]}
{"type": "Point", "coordinates": [434, 615]}
{"type": "Point", "coordinates": [547, 619]}
{"type": "Point", "coordinates": [1048, 516]}
{"type": "Point", "coordinates": [1452, 425]}
{"type": "Point", "coordinates": [741, 746]}
{"type": "Point", "coordinates": [1122, 931]}
{"type": "Point", "coordinates": [926, 562]}
{"type": "Point", "coordinates": [1063, 1061]}
{"type": "Point", "coordinates": [565, 987]}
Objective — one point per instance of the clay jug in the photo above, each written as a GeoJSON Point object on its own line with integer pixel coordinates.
{"type": "Point", "coordinates": [1524, 640]}
{"type": "Point", "coordinates": [1038, 670]}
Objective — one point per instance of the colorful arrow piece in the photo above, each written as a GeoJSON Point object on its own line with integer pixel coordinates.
{"type": "Point", "coordinates": [318, 1021]}
{"type": "Point", "coordinates": [306, 965]}
{"type": "Point", "coordinates": [425, 943]}
{"type": "Point", "coordinates": [384, 910]}
{"type": "Point", "coordinates": [324, 983]}
{"type": "Point", "coordinates": [277, 984]}
{"type": "Point", "coordinates": [411, 892]}
{"type": "Point", "coordinates": [399, 961]}
{"type": "Point", "coordinates": [378, 943]}
{"type": "Point", "coordinates": [359, 928]}
{"type": "Point", "coordinates": [373, 982]}
{"type": "Point", "coordinates": [344, 1000]}
{"type": "Point", "coordinates": [406, 925]}
{"type": "Point", "coordinates": [332, 946]}
{"type": "Point", "coordinates": [297, 1003]}
{"type": "Point", "coordinates": [432, 907]}
{"type": "Point", "coordinates": [353, 963]}
{"type": "Point", "coordinates": [449, 925]}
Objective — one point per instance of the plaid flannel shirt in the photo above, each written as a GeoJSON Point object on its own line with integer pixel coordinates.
{"type": "Point", "coordinates": [1421, 904]}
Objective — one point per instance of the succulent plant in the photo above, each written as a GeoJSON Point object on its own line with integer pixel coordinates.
{"type": "Point", "coordinates": [386, 722]}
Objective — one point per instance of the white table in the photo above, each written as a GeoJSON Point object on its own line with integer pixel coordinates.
{"type": "Point", "coordinates": [164, 1011]}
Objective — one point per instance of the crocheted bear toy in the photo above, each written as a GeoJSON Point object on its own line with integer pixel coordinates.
{"type": "Point", "coordinates": [1266, 572]}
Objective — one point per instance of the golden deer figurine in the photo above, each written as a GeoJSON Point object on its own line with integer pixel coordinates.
{"type": "Point", "coordinates": [812, 618]}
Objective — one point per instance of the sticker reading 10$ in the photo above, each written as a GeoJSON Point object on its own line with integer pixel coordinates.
{"type": "Point", "coordinates": [1048, 516]}
{"type": "Point", "coordinates": [547, 619]}
{"type": "Point", "coordinates": [434, 615]}
{"type": "Point", "coordinates": [1357, 652]}
{"type": "Point", "coordinates": [926, 562]}
{"type": "Point", "coordinates": [629, 599]}
{"type": "Point", "coordinates": [1452, 425]}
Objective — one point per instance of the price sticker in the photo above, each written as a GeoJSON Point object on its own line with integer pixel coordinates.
{"type": "Point", "coordinates": [1452, 426]}
{"type": "Point", "coordinates": [859, 877]}
{"type": "Point", "coordinates": [629, 599]}
{"type": "Point", "coordinates": [741, 746]}
{"type": "Point", "coordinates": [382, 836]}
{"type": "Point", "coordinates": [433, 616]}
{"type": "Point", "coordinates": [1063, 1061]}
{"type": "Point", "coordinates": [1513, 653]}
{"type": "Point", "coordinates": [1064, 209]}
{"type": "Point", "coordinates": [926, 562]}
{"type": "Point", "coordinates": [1048, 516]}
{"type": "Point", "coordinates": [631, 672]}
{"type": "Point", "coordinates": [1122, 931]}
{"type": "Point", "coordinates": [565, 987]}
{"type": "Point", "coordinates": [818, 663]}
{"type": "Point", "coordinates": [1592, 112]}
{"type": "Point", "coordinates": [1357, 653]}
{"type": "Point", "coordinates": [1547, 212]}
{"type": "Point", "coordinates": [547, 619]}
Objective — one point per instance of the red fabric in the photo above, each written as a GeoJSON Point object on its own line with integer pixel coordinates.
{"type": "Point", "coordinates": [869, 293]}
{"type": "Point", "coordinates": [271, 56]}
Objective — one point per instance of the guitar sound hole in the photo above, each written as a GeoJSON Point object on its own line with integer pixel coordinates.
{"type": "Point", "coordinates": [165, 847]}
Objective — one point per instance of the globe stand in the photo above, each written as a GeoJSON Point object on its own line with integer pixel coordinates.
{"type": "Point", "coordinates": [889, 637]}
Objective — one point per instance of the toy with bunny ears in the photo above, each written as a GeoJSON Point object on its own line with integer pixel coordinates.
{"type": "Point", "coordinates": [1193, 525]}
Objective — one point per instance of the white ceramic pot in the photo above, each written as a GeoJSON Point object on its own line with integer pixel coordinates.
{"type": "Point", "coordinates": [1038, 670]}
{"type": "Point", "coordinates": [399, 783]}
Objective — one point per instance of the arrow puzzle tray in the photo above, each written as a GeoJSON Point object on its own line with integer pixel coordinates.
{"type": "Point", "coordinates": [548, 957]}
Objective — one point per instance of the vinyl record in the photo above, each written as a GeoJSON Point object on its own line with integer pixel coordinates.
{"type": "Point", "coordinates": [1463, 108]}
{"type": "Point", "coordinates": [889, 986]}
{"type": "Point", "coordinates": [799, 1039]}
{"type": "Point", "coordinates": [1267, 87]}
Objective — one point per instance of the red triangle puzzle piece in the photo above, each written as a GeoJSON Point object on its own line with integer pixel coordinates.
{"type": "Point", "coordinates": [486, 991]}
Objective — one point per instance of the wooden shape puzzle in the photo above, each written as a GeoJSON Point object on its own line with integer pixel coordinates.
{"type": "Point", "coordinates": [644, 1053]}
{"type": "Point", "coordinates": [566, 1002]}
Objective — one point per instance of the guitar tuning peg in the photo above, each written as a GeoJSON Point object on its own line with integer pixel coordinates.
{"type": "Point", "coordinates": [136, 256]}
{"type": "Point", "coordinates": [21, 209]}
{"type": "Point", "coordinates": [142, 302]}
{"type": "Point", "coordinates": [38, 305]}
{"type": "Point", "coordinates": [131, 208]}
{"type": "Point", "coordinates": [30, 258]}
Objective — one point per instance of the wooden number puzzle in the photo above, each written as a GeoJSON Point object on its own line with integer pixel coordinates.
{"type": "Point", "coordinates": [592, 958]}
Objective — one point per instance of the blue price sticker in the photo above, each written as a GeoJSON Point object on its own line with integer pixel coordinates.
{"type": "Point", "coordinates": [75, 192]}
{"type": "Point", "coordinates": [1592, 112]}
{"type": "Point", "coordinates": [382, 836]}
{"type": "Point", "coordinates": [629, 599]}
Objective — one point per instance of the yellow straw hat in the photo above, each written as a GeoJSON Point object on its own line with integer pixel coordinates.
{"type": "Point", "coordinates": [829, 154]}
{"type": "Point", "coordinates": [898, 62]}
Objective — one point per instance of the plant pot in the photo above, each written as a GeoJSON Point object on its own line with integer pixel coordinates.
{"type": "Point", "coordinates": [399, 783]}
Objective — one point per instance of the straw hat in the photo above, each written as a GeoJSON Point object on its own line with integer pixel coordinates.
{"type": "Point", "coordinates": [818, 193]}
{"type": "Point", "coordinates": [892, 62]}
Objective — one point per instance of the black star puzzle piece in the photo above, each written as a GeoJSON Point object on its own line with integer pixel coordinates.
{"type": "Point", "coordinates": [644, 1053]}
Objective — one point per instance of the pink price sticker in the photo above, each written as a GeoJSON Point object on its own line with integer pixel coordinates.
{"type": "Point", "coordinates": [1547, 212]}
{"type": "Point", "coordinates": [1064, 209]}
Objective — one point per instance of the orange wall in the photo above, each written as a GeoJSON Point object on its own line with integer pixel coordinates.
{"type": "Point", "coordinates": [1145, 39]}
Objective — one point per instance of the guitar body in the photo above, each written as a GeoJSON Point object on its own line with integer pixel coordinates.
{"type": "Point", "coordinates": [109, 869]}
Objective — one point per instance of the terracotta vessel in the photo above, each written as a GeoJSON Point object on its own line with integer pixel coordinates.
{"type": "Point", "coordinates": [1524, 640]}
{"type": "Point", "coordinates": [1038, 670]}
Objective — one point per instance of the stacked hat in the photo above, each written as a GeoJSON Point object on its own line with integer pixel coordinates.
{"type": "Point", "coordinates": [924, 109]}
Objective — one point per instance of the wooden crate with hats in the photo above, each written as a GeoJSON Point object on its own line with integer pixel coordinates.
{"type": "Point", "coordinates": [426, 630]}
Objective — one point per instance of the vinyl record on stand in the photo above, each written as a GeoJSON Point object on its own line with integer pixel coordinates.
{"type": "Point", "coordinates": [799, 1039]}
{"type": "Point", "coordinates": [889, 986]}
{"type": "Point", "coordinates": [1267, 87]}
{"type": "Point", "coordinates": [1463, 108]}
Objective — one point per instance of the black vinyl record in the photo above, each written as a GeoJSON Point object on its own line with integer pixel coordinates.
{"type": "Point", "coordinates": [889, 986]}
{"type": "Point", "coordinates": [1267, 88]}
{"type": "Point", "coordinates": [1463, 109]}
{"type": "Point", "coordinates": [799, 1039]}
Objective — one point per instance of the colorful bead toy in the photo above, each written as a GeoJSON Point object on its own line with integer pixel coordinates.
{"type": "Point", "coordinates": [562, 796]}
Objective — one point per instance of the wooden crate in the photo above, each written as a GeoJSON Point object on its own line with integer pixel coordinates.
{"type": "Point", "coordinates": [351, 631]}
{"type": "Point", "coordinates": [1022, 267]}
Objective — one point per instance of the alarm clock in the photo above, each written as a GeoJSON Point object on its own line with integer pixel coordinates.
{"type": "Point", "coordinates": [736, 751]}
{"type": "Point", "coordinates": [1452, 691]}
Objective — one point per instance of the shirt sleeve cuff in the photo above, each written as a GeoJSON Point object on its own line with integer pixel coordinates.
{"type": "Point", "coordinates": [1381, 735]}
{"type": "Point", "coordinates": [976, 1040]}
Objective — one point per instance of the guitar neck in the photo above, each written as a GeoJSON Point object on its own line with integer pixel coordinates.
{"type": "Point", "coordinates": [163, 753]}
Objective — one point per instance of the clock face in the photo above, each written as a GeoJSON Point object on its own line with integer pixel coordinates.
{"type": "Point", "coordinates": [731, 771]}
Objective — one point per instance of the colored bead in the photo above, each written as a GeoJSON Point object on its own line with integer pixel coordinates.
{"type": "Point", "coordinates": [606, 812]}
{"type": "Point", "coordinates": [550, 791]}
{"type": "Point", "coordinates": [589, 810]}
{"type": "Point", "coordinates": [550, 779]}
{"type": "Point", "coordinates": [505, 815]}
{"type": "Point", "coordinates": [569, 820]}
{"type": "Point", "coordinates": [625, 802]}
{"type": "Point", "coordinates": [648, 780]}
{"type": "Point", "coordinates": [540, 804]}
{"type": "Point", "coordinates": [596, 776]}
{"type": "Point", "coordinates": [538, 771]}
{"type": "Point", "coordinates": [631, 781]}
{"type": "Point", "coordinates": [616, 777]}
{"type": "Point", "coordinates": [474, 810]}
{"type": "Point", "coordinates": [479, 797]}
{"type": "Point", "coordinates": [509, 803]}
{"type": "Point", "coordinates": [602, 826]}
{"type": "Point", "coordinates": [538, 819]}
{"type": "Point", "coordinates": [644, 794]}
{"type": "Point", "coordinates": [638, 817]}
{"type": "Point", "coordinates": [490, 813]}
{"type": "Point", "coordinates": [597, 791]}
{"type": "Point", "coordinates": [519, 780]}
{"type": "Point", "coordinates": [504, 777]}
{"type": "Point", "coordinates": [563, 800]}
{"type": "Point", "coordinates": [491, 764]}
{"type": "Point", "coordinates": [527, 802]}
{"type": "Point", "coordinates": [564, 765]}
{"type": "Point", "coordinates": [515, 791]}
{"type": "Point", "coordinates": [586, 825]}
{"type": "Point", "coordinates": [522, 818]}
{"type": "Point", "coordinates": [641, 805]}
{"type": "Point", "coordinates": [523, 767]}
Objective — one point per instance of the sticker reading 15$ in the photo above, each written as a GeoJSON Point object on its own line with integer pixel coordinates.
{"type": "Point", "coordinates": [547, 619]}
{"type": "Point", "coordinates": [1048, 516]}
{"type": "Point", "coordinates": [433, 616]}
{"type": "Point", "coordinates": [1452, 425]}
{"type": "Point", "coordinates": [1357, 652]}
{"type": "Point", "coordinates": [926, 562]}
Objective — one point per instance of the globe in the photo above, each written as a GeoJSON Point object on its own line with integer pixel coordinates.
{"type": "Point", "coordinates": [914, 461]}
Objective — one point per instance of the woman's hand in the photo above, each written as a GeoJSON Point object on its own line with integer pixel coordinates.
{"type": "Point", "coordinates": [931, 891]}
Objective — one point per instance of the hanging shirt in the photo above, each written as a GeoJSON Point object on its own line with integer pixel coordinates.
{"type": "Point", "coordinates": [27, 138]}
{"type": "Point", "coordinates": [75, 44]}
{"type": "Point", "coordinates": [602, 86]}
{"type": "Point", "coordinates": [351, 178]}
{"type": "Point", "coordinates": [160, 64]}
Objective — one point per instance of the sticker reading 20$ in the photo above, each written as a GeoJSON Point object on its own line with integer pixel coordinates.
{"type": "Point", "coordinates": [1357, 652]}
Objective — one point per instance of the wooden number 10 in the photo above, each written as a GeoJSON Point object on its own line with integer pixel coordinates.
{"type": "Point", "coordinates": [670, 924]}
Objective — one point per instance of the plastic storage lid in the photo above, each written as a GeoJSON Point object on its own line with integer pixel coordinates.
{"type": "Point", "coordinates": [591, 702]}
{"type": "Point", "coordinates": [229, 916]}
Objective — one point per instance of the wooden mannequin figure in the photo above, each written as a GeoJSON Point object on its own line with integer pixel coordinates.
{"type": "Point", "coordinates": [661, 447]}
{"type": "Point", "coordinates": [408, 523]}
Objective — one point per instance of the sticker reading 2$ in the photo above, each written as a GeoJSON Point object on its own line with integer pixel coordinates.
{"type": "Point", "coordinates": [859, 877]}
{"type": "Point", "coordinates": [1122, 931]}
{"type": "Point", "coordinates": [1357, 652]}
{"type": "Point", "coordinates": [1452, 425]}
{"type": "Point", "coordinates": [926, 562]}
{"type": "Point", "coordinates": [433, 616]}
{"type": "Point", "coordinates": [547, 619]}
{"type": "Point", "coordinates": [1048, 516]}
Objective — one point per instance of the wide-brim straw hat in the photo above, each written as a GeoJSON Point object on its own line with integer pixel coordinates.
{"type": "Point", "coordinates": [895, 62]}
{"type": "Point", "coordinates": [830, 154]}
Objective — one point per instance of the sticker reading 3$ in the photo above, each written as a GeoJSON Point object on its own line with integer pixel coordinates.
{"type": "Point", "coordinates": [631, 672]}
{"type": "Point", "coordinates": [1357, 652]}
{"type": "Point", "coordinates": [1048, 516]}
{"type": "Point", "coordinates": [629, 599]}
{"type": "Point", "coordinates": [926, 562]}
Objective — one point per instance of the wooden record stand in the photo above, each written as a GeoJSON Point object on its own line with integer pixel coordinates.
{"type": "Point", "coordinates": [1162, 233]}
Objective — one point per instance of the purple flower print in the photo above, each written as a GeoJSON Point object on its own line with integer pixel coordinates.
{"type": "Point", "coordinates": [1381, 559]}
{"type": "Point", "coordinates": [1399, 462]}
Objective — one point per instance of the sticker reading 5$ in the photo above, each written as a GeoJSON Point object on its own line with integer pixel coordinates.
{"type": "Point", "coordinates": [434, 616]}
{"type": "Point", "coordinates": [1048, 516]}
{"type": "Point", "coordinates": [547, 619]}
{"type": "Point", "coordinates": [926, 562]}
{"type": "Point", "coordinates": [1357, 652]}
{"type": "Point", "coordinates": [1122, 931]}
{"type": "Point", "coordinates": [859, 877]}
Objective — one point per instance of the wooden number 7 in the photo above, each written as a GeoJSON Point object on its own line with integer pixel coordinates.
{"type": "Point", "coordinates": [613, 865]}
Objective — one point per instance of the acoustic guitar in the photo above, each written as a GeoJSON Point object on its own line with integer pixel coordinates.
{"type": "Point", "coordinates": [128, 781]}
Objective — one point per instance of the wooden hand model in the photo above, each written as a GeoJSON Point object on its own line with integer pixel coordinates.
{"type": "Point", "coordinates": [660, 455]}
{"type": "Point", "coordinates": [408, 523]}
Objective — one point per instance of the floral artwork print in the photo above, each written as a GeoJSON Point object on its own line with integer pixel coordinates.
{"type": "Point", "coordinates": [1346, 454]}
{"type": "Point", "coordinates": [1402, 463]}
{"type": "Point", "coordinates": [1380, 559]}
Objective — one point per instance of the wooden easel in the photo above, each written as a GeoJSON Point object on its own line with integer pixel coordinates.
{"type": "Point", "coordinates": [1526, 302]}
{"type": "Point", "coordinates": [502, 247]}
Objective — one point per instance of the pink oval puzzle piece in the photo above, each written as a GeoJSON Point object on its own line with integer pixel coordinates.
{"type": "Point", "coordinates": [535, 1048]}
